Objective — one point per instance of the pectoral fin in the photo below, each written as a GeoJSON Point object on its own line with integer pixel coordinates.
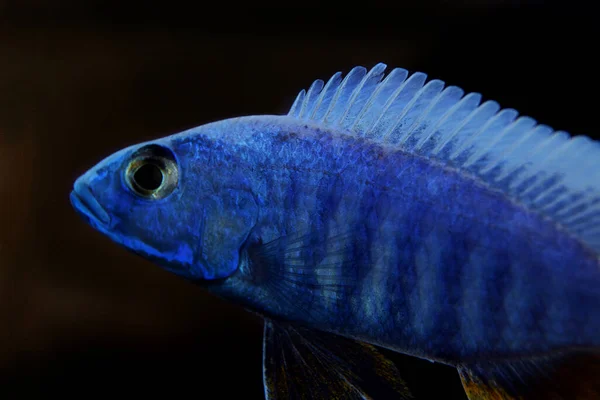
{"type": "Point", "coordinates": [301, 363]}
{"type": "Point", "coordinates": [573, 376]}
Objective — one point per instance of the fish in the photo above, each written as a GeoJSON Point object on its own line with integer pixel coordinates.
{"type": "Point", "coordinates": [383, 211]}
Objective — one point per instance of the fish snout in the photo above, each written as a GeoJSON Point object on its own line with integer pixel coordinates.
{"type": "Point", "coordinates": [85, 202]}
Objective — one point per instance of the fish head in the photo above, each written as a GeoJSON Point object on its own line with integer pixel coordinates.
{"type": "Point", "coordinates": [164, 201]}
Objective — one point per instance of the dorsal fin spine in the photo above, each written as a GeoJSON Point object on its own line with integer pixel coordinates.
{"type": "Point", "coordinates": [556, 200]}
{"type": "Point", "coordinates": [333, 82]}
{"type": "Point", "coordinates": [465, 122]}
{"type": "Point", "coordinates": [499, 137]}
{"type": "Point", "coordinates": [376, 94]}
{"type": "Point", "coordinates": [447, 116]}
{"type": "Point", "coordinates": [421, 118]}
{"type": "Point", "coordinates": [582, 223]}
{"type": "Point", "coordinates": [386, 136]}
{"type": "Point", "coordinates": [548, 142]}
{"type": "Point", "coordinates": [530, 152]}
{"type": "Point", "coordinates": [378, 69]}
{"type": "Point", "coordinates": [473, 138]}
{"type": "Point", "coordinates": [391, 100]}
{"type": "Point", "coordinates": [582, 199]}
{"type": "Point", "coordinates": [539, 131]}
{"type": "Point", "coordinates": [353, 98]}
{"type": "Point", "coordinates": [551, 156]}
{"type": "Point", "coordinates": [578, 204]}
{"type": "Point", "coordinates": [450, 92]}
{"type": "Point", "coordinates": [403, 138]}
{"type": "Point", "coordinates": [582, 219]}
{"type": "Point", "coordinates": [297, 103]}
{"type": "Point", "coordinates": [313, 92]}
{"type": "Point", "coordinates": [335, 98]}
{"type": "Point", "coordinates": [491, 143]}
{"type": "Point", "coordinates": [518, 142]}
{"type": "Point", "coordinates": [341, 90]}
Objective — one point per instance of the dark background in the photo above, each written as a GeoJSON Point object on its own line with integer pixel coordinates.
{"type": "Point", "coordinates": [79, 80]}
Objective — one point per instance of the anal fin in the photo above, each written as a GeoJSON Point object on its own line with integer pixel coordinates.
{"type": "Point", "coordinates": [566, 376]}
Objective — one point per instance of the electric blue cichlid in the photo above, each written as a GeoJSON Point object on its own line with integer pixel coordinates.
{"type": "Point", "coordinates": [381, 210]}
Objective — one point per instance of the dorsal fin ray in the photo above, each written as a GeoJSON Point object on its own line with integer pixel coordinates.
{"type": "Point", "coordinates": [545, 170]}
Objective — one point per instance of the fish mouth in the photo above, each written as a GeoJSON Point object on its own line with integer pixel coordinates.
{"type": "Point", "coordinates": [84, 201]}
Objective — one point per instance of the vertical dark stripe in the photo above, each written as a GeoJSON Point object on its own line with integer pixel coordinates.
{"type": "Point", "coordinates": [453, 256]}
{"type": "Point", "coordinates": [498, 276]}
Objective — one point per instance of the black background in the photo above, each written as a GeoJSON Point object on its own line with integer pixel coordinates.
{"type": "Point", "coordinates": [79, 80]}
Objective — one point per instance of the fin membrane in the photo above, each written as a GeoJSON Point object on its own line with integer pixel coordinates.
{"type": "Point", "coordinates": [573, 376]}
{"type": "Point", "coordinates": [313, 272]}
{"type": "Point", "coordinates": [300, 363]}
{"type": "Point", "coordinates": [547, 171]}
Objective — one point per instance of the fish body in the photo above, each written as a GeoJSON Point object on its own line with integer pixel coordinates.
{"type": "Point", "coordinates": [381, 211]}
{"type": "Point", "coordinates": [389, 221]}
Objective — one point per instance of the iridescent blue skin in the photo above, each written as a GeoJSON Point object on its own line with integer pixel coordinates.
{"type": "Point", "coordinates": [439, 266]}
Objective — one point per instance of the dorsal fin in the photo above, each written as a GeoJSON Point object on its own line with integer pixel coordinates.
{"type": "Point", "coordinates": [545, 170]}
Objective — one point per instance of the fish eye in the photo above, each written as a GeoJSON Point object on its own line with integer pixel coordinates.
{"type": "Point", "coordinates": [148, 176]}
{"type": "Point", "coordinates": [152, 172]}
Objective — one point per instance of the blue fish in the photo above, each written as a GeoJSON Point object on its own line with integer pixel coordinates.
{"type": "Point", "coordinates": [383, 210]}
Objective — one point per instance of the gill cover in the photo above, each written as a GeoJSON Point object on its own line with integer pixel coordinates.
{"type": "Point", "coordinates": [228, 217]}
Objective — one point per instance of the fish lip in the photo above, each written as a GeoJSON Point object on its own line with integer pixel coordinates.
{"type": "Point", "coordinates": [84, 201]}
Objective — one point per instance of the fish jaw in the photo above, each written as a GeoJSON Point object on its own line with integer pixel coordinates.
{"type": "Point", "coordinates": [86, 205]}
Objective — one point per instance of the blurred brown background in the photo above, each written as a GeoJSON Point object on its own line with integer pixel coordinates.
{"type": "Point", "coordinates": [79, 315]}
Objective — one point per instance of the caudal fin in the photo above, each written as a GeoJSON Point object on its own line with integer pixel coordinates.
{"type": "Point", "coordinates": [562, 377]}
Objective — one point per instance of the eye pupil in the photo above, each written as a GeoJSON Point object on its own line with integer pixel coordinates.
{"type": "Point", "coordinates": [149, 177]}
